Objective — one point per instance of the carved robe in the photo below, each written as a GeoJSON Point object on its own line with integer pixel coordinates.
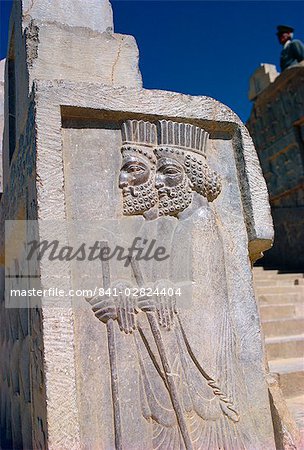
{"type": "Point", "coordinates": [198, 345]}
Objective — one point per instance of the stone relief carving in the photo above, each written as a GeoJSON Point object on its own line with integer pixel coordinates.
{"type": "Point", "coordinates": [137, 176]}
{"type": "Point", "coordinates": [163, 164]}
{"type": "Point", "coordinates": [186, 408]}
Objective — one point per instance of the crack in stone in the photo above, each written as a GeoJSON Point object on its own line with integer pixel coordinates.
{"type": "Point", "coordinates": [27, 12]}
{"type": "Point", "coordinates": [116, 60]}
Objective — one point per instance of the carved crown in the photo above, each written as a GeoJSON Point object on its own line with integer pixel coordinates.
{"type": "Point", "coordinates": [182, 135]}
{"type": "Point", "coordinates": [139, 132]}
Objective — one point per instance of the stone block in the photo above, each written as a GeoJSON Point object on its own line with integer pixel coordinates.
{"type": "Point", "coordinates": [91, 145]}
{"type": "Point", "coordinates": [2, 67]}
{"type": "Point", "coordinates": [81, 54]}
{"type": "Point", "coordinates": [260, 80]}
{"type": "Point", "coordinates": [94, 14]}
{"type": "Point", "coordinates": [278, 311]}
{"type": "Point", "coordinates": [50, 43]}
{"type": "Point", "coordinates": [280, 150]}
{"type": "Point", "coordinates": [79, 164]}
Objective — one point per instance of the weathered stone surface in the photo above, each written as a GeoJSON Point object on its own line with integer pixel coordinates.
{"type": "Point", "coordinates": [21, 346]}
{"type": "Point", "coordinates": [253, 188]}
{"type": "Point", "coordinates": [2, 67]}
{"type": "Point", "coordinates": [78, 48]}
{"type": "Point", "coordinates": [276, 126]}
{"type": "Point", "coordinates": [94, 14]}
{"type": "Point", "coordinates": [84, 55]}
{"type": "Point", "coordinates": [287, 434]}
{"type": "Point", "coordinates": [136, 374]}
{"type": "Point", "coordinates": [289, 235]}
{"type": "Point", "coordinates": [58, 169]}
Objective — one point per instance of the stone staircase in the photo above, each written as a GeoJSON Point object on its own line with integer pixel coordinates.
{"type": "Point", "coordinates": [281, 300]}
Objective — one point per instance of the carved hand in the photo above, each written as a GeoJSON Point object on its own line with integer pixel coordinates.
{"type": "Point", "coordinates": [161, 303]}
{"type": "Point", "coordinates": [126, 306]}
{"type": "Point", "coordinates": [147, 303]}
{"type": "Point", "coordinates": [166, 310]}
{"type": "Point", "coordinates": [104, 307]}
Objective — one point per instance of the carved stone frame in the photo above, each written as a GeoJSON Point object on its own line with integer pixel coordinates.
{"type": "Point", "coordinates": [60, 101]}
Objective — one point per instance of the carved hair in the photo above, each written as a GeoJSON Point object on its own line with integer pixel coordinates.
{"type": "Point", "coordinates": [141, 151]}
{"type": "Point", "coordinates": [203, 180]}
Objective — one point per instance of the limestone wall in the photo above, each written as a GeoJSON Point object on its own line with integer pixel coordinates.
{"type": "Point", "coordinates": [276, 125]}
{"type": "Point", "coordinates": [21, 349]}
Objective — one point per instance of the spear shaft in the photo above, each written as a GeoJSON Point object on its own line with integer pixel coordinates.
{"type": "Point", "coordinates": [173, 392]}
{"type": "Point", "coordinates": [106, 276]}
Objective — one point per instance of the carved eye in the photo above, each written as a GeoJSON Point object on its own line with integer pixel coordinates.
{"type": "Point", "coordinates": [135, 169]}
{"type": "Point", "coordinates": [170, 170]}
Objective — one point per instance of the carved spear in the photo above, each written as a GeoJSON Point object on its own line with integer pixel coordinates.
{"type": "Point", "coordinates": [173, 392]}
{"type": "Point", "coordinates": [112, 356]}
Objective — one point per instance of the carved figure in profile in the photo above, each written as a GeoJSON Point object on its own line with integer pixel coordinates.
{"type": "Point", "coordinates": [137, 175]}
{"type": "Point", "coordinates": [184, 406]}
{"type": "Point", "coordinates": [182, 167]}
{"type": "Point", "coordinates": [164, 171]}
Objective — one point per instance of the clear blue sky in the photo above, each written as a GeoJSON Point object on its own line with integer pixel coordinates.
{"type": "Point", "coordinates": [201, 47]}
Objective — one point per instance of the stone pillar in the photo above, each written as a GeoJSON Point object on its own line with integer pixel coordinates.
{"type": "Point", "coordinates": [93, 146]}
{"type": "Point", "coordinates": [46, 42]}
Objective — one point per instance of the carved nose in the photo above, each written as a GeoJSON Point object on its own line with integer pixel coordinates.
{"type": "Point", "coordinates": [123, 181]}
{"type": "Point", "coordinates": [158, 183]}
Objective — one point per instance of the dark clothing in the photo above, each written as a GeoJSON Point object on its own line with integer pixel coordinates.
{"type": "Point", "coordinates": [292, 54]}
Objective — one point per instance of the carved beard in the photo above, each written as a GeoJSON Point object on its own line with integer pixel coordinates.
{"type": "Point", "coordinates": [176, 200]}
{"type": "Point", "coordinates": [139, 199]}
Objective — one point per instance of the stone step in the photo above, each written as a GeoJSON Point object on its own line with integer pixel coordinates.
{"type": "Point", "coordinates": [280, 290]}
{"type": "Point", "coordinates": [283, 327]}
{"type": "Point", "coordinates": [267, 299]}
{"type": "Point", "coordinates": [281, 311]}
{"type": "Point", "coordinates": [268, 275]}
{"type": "Point", "coordinates": [291, 275]}
{"type": "Point", "coordinates": [295, 406]}
{"type": "Point", "coordinates": [281, 304]}
{"type": "Point", "coordinates": [264, 275]}
{"type": "Point", "coordinates": [279, 282]}
{"type": "Point", "coordinates": [291, 375]}
{"type": "Point", "coordinates": [281, 347]}
{"type": "Point", "coordinates": [259, 269]}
